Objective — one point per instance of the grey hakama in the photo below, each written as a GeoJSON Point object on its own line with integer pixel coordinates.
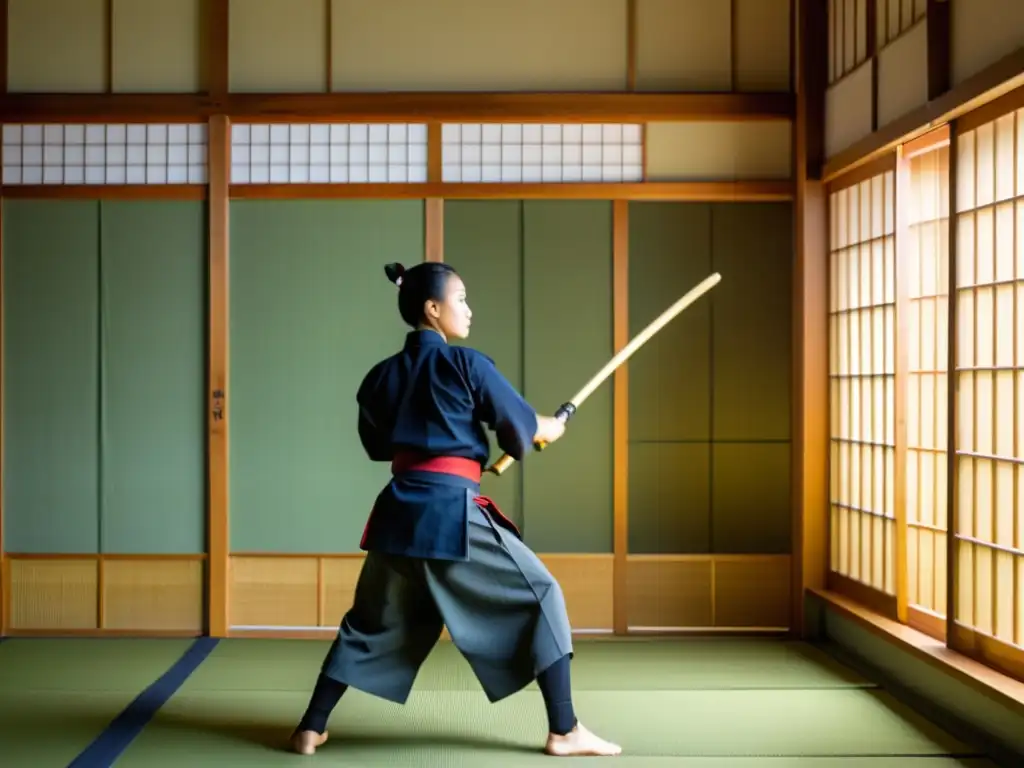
{"type": "Point", "coordinates": [502, 607]}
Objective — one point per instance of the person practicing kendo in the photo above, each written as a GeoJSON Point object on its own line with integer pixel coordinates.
{"type": "Point", "coordinates": [439, 554]}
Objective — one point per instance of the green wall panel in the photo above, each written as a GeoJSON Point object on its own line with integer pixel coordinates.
{"type": "Point", "coordinates": [567, 320]}
{"type": "Point", "coordinates": [752, 365]}
{"type": "Point", "coordinates": [752, 340]}
{"type": "Point", "coordinates": [670, 380]}
{"type": "Point", "coordinates": [51, 253]}
{"type": "Point", "coordinates": [750, 492]}
{"type": "Point", "coordinates": [669, 498]}
{"type": "Point", "coordinates": [710, 395]}
{"type": "Point", "coordinates": [153, 338]}
{"type": "Point", "coordinates": [311, 312]}
{"type": "Point", "coordinates": [483, 241]}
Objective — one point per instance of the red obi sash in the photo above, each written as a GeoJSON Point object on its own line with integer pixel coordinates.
{"type": "Point", "coordinates": [451, 465]}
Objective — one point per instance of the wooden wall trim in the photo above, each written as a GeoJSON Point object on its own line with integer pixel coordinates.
{"type": "Point", "coordinates": [809, 464]}
{"type": "Point", "coordinates": [216, 63]}
{"type": "Point", "coordinates": [937, 17]}
{"type": "Point", "coordinates": [699, 191]}
{"type": "Point", "coordinates": [108, 556]}
{"type": "Point", "coordinates": [1000, 688]}
{"type": "Point", "coordinates": [871, 598]}
{"type": "Point", "coordinates": [631, 45]}
{"type": "Point", "coordinates": [620, 415]}
{"type": "Point", "coordinates": [279, 593]}
{"type": "Point", "coordinates": [104, 191]}
{"type": "Point", "coordinates": [4, 592]}
{"type": "Point", "coordinates": [328, 46]}
{"type": "Point", "coordinates": [881, 164]}
{"type": "Point", "coordinates": [102, 594]}
{"type": "Point", "coordinates": [218, 528]}
{"type": "Point", "coordinates": [994, 81]}
{"type": "Point", "coordinates": [928, 142]}
{"type": "Point", "coordinates": [1002, 656]}
{"type": "Point", "coordinates": [990, 111]}
{"type": "Point", "coordinates": [108, 53]}
{"type": "Point", "coordinates": [399, 107]}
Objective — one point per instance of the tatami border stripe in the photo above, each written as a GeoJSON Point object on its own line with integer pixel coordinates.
{"type": "Point", "coordinates": [124, 728]}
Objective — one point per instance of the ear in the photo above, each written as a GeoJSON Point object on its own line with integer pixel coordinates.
{"type": "Point", "coordinates": [431, 309]}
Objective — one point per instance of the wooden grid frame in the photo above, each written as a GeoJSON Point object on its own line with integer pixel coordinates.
{"type": "Point", "coordinates": [895, 17]}
{"type": "Point", "coordinates": [987, 466]}
{"type": "Point", "coordinates": [959, 403]}
{"type": "Point", "coordinates": [925, 310]}
{"type": "Point", "coordinates": [851, 36]}
{"type": "Point", "coordinates": [862, 333]}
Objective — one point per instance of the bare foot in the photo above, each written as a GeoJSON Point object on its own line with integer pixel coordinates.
{"type": "Point", "coordinates": [580, 742]}
{"type": "Point", "coordinates": [306, 742]}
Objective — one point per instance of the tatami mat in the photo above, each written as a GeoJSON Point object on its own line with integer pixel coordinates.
{"type": "Point", "coordinates": [58, 695]}
{"type": "Point", "coordinates": [695, 703]}
{"type": "Point", "coordinates": [712, 703]}
{"type": "Point", "coordinates": [599, 664]}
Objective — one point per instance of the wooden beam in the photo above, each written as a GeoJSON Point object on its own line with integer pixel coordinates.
{"type": "Point", "coordinates": [4, 572]}
{"type": "Point", "coordinates": [108, 46]}
{"type": "Point", "coordinates": [631, 45]}
{"type": "Point", "coordinates": [873, 48]}
{"type": "Point", "coordinates": [104, 191]}
{"type": "Point", "coordinates": [620, 419]}
{"type": "Point", "coordinates": [3, 47]}
{"type": "Point", "coordinates": [989, 84]}
{"type": "Point", "coordinates": [397, 107]}
{"type": "Point", "coordinates": [699, 191]}
{"type": "Point", "coordinates": [216, 27]}
{"type": "Point", "coordinates": [939, 74]}
{"type": "Point", "coordinates": [218, 538]}
{"type": "Point", "coordinates": [809, 466]}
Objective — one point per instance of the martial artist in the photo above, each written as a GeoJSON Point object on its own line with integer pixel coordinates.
{"type": "Point", "coordinates": [438, 553]}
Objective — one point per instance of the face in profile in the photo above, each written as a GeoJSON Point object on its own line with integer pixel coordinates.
{"type": "Point", "coordinates": [452, 315]}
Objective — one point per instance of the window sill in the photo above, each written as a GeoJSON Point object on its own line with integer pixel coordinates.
{"type": "Point", "coordinates": [1004, 690]}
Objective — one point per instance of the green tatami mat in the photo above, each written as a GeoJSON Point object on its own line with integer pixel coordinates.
{"type": "Point", "coordinates": [86, 664]}
{"type": "Point", "coordinates": [47, 729]}
{"type": "Point", "coordinates": [655, 664]}
{"type": "Point", "coordinates": [57, 695]}
{"type": "Point", "coordinates": [439, 727]}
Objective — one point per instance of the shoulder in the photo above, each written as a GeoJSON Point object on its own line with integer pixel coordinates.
{"type": "Point", "coordinates": [472, 362]}
{"type": "Point", "coordinates": [374, 376]}
{"type": "Point", "coordinates": [472, 357]}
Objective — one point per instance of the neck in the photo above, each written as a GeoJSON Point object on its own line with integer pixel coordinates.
{"type": "Point", "coordinates": [428, 327]}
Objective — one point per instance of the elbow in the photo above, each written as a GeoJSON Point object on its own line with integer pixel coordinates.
{"type": "Point", "coordinates": [517, 439]}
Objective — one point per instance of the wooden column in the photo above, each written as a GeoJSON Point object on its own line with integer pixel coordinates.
{"type": "Point", "coordinates": [809, 477]}
{"type": "Point", "coordinates": [938, 23]}
{"type": "Point", "coordinates": [5, 575]}
{"type": "Point", "coordinates": [433, 212]}
{"type": "Point", "coordinates": [620, 418]}
{"type": "Point", "coordinates": [218, 541]}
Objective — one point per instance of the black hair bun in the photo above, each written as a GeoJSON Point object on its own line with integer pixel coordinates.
{"type": "Point", "coordinates": [394, 271]}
